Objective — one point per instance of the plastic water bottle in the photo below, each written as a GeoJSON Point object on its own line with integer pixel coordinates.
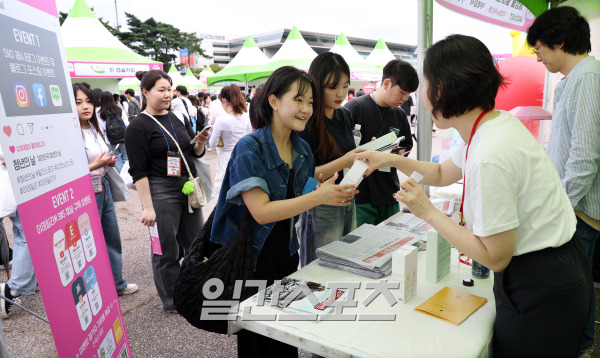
{"type": "Point", "coordinates": [356, 134]}
{"type": "Point", "coordinates": [479, 271]}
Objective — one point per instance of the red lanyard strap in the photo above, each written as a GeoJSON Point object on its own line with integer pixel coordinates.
{"type": "Point", "coordinates": [462, 220]}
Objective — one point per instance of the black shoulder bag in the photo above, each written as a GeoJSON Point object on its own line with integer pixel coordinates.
{"type": "Point", "coordinates": [205, 261]}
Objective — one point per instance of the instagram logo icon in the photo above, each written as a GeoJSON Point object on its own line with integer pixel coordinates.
{"type": "Point", "coordinates": [21, 94]}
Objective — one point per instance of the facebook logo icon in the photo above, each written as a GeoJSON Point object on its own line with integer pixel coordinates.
{"type": "Point", "coordinates": [39, 94]}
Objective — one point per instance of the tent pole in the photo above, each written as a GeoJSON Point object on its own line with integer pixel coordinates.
{"type": "Point", "coordinates": [424, 124]}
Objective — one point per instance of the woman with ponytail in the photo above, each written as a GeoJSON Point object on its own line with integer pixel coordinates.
{"type": "Point", "coordinates": [229, 128]}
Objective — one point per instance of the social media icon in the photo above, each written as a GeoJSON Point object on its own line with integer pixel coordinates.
{"type": "Point", "coordinates": [55, 95]}
{"type": "Point", "coordinates": [21, 94]}
{"type": "Point", "coordinates": [39, 95]}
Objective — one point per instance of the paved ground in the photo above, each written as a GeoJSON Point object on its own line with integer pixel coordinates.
{"type": "Point", "coordinates": [152, 333]}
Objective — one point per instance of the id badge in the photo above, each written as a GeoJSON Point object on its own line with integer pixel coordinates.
{"type": "Point", "coordinates": [97, 183]}
{"type": "Point", "coordinates": [173, 164]}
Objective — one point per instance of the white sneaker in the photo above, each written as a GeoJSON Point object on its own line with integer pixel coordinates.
{"type": "Point", "coordinates": [131, 288]}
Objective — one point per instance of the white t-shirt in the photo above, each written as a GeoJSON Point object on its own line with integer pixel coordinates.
{"type": "Point", "coordinates": [216, 110]}
{"type": "Point", "coordinates": [94, 145]}
{"type": "Point", "coordinates": [230, 129]}
{"type": "Point", "coordinates": [510, 183]}
{"type": "Point", "coordinates": [177, 105]}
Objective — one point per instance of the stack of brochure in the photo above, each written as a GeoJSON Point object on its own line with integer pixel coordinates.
{"type": "Point", "coordinates": [366, 251]}
{"type": "Point", "coordinates": [299, 297]}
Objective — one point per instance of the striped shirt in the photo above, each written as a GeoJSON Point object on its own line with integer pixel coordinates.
{"type": "Point", "coordinates": [574, 146]}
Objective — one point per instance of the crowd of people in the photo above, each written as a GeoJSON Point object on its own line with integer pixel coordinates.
{"type": "Point", "coordinates": [532, 217]}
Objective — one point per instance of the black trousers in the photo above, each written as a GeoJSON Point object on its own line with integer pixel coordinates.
{"type": "Point", "coordinates": [542, 303]}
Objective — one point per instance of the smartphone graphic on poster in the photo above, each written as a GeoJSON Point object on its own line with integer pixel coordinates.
{"type": "Point", "coordinates": [87, 237]}
{"type": "Point", "coordinates": [75, 246]}
{"type": "Point", "coordinates": [62, 257]}
{"type": "Point", "coordinates": [82, 304]}
{"type": "Point", "coordinates": [93, 289]}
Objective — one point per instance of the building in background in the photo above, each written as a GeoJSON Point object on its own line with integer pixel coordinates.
{"type": "Point", "coordinates": [223, 49]}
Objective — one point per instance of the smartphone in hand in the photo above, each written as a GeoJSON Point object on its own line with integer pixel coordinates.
{"type": "Point", "coordinates": [194, 141]}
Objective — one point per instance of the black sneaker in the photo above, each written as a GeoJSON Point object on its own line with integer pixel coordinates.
{"type": "Point", "coordinates": [5, 306]}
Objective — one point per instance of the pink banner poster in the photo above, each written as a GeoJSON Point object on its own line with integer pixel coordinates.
{"type": "Point", "coordinates": [67, 247]}
{"type": "Point", "coordinates": [507, 13]}
{"type": "Point", "coordinates": [47, 6]}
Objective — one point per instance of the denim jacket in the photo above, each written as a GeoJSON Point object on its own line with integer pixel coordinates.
{"type": "Point", "coordinates": [249, 168]}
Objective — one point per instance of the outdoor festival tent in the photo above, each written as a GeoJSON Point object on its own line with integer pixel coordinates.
{"type": "Point", "coordinates": [191, 82]}
{"type": "Point", "coordinates": [94, 55]}
{"type": "Point", "coordinates": [248, 60]}
{"type": "Point", "coordinates": [176, 77]}
{"type": "Point", "coordinates": [294, 52]}
{"type": "Point", "coordinates": [380, 55]}
{"type": "Point", "coordinates": [129, 82]}
{"type": "Point", "coordinates": [360, 70]}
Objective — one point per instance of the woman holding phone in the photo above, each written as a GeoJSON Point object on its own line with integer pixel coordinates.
{"type": "Point", "coordinates": [96, 150]}
{"type": "Point", "coordinates": [159, 174]}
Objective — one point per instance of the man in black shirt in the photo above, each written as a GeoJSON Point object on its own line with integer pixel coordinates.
{"type": "Point", "coordinates": [377, 113]}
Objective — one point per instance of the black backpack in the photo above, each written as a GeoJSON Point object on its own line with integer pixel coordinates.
{"type": "Point", "coordinates": [115, 128]}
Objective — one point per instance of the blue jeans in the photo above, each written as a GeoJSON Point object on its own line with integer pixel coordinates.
{"type": "Point", "coordinates": [588, 236]}
{"type": "Point", "coordinates": [22, 277]}
{"type": "Point", "coordinates": [123, 158]}
{"type": "Point", "coordinates": [112, 236]}
{"type": "Point", "coordinates": [177, 228]}
{"type": "Point", "coordinates": [323, 225]}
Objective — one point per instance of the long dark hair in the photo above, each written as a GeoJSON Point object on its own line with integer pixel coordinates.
{"type": "Point", "coordinates": [94, 120]}
{"type": "Point", "coordinates": [108, 105]}
{"type": "Point", "coordinates": [148, 80]}
{"type": "Point", "coordinates": [234, 95]}
{"type": "Point", "coordinates": [326, 71]}
{"type": "Point", "coordinates": [280, 81]}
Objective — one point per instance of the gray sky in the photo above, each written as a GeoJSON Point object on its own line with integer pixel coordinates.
{"type": "Point", "coordinates": [394, 21]}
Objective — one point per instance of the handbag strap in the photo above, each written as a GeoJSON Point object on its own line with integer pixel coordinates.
{"type": "Point", "coordinates": [177, 144]}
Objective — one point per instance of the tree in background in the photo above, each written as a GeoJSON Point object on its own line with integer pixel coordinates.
{"type": "Point", "coordinates": [153, 39]}
{"type": "Point", "coordinates": [158, 40]}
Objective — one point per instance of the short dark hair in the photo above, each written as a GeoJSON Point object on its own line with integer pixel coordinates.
{"type": "Point", "coordinates": [456, 85]}
{"type": "Point", "coordinates": [280, 81]}
{"type": "Point", "coordinates": [130, 92]}
{"type": "Point", "coordinates": [182, 89]}
{"type": "Point", "coordinates": [561, 26]}
{"type": "Point", "coordinates": [401, 73]}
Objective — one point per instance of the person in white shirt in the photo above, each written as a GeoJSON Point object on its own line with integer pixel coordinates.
{"type": "Point", "coordinates": [96, 151]}
{"type": "Point", "coordinates": [182, 104]}
{"type": "Point", "coordinates": [229, 127]}
{"type": "Point", "coordinates": [216, 110]}
{"type": "Point", "coordinates": [517, 219]}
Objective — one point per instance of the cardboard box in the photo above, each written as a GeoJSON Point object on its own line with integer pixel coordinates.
{"type": "Point", "coordinates": [404, 269]}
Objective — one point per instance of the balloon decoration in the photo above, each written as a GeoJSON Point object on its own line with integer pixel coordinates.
{"type": "Point", "coordinates": [525, 87]}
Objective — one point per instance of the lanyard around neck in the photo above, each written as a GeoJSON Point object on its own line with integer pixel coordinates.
{"type": "Point", "coordinates": [462, 220]}
{"type": "Point", "coordinates": [163, 133]}
{"type": "Point", "coordinates": [378, 111]}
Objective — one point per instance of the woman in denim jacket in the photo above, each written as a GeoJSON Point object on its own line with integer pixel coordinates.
{"type": "Point", "coordinates": [266, 175]}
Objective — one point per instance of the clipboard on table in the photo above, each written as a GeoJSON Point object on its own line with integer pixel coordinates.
{"type": "Point", "coordinates": [451, 305]}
